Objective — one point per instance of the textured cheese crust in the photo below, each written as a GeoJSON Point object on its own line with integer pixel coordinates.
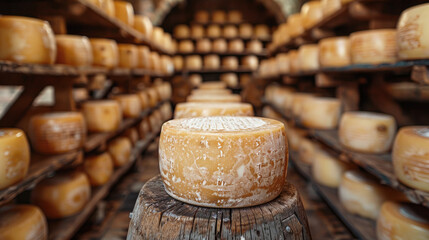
{"type": "Point", "coordinates": [236, 46]}
{"type": "Point", "coordinates": [63, 195]}
{"type": "Point", "coordinates": [181, 31]}
{"type": "Point", "coordinates": [105, 52]}
{"type": "Point", "coordinates": [204, 45]}
{"type": "Point", "coordinates": [403, 221]}
{"type": "Point", "coordinates": [311, 13]}
{"type": "Point", "coordinates": [214, 98]}
{"type": "Point", "coordinates": [373, 46]}
{"type": "Point", "coordinates": [309, 57]}
{"type": "Point", "coordinates": [220, 45]}
{"type": "Point", "coordinates": [58, 132]}
{"type": "Point", "coordinates": [334, 52]}
{"type": "Point", "coordinates": [224, 162]}
{"type": "Point", "coordinates": [195, 109]}
{"type": "Point", "coordinates": [197, 31]}
{"type": "Point", "coordinates": [124, 12]}
{"type": "Point", "coordinates": [211, 61]}
{"type": "Point", "coordinates": [367, 131]}
{"type": "Point", "coordinates": [102, 115]}
{"type": "Point", "coordinates": [14, 156]}
{"type": "Point", "coordinates": [130, 105]}
{"type": "Point", "coordinates": [320, 113]}
{"type": "Point", "coordinates": [411, 156]}
{"type": "Point", "coordinates": [128, 56]}
{"type": "Point", "coordinates": [143, 25]}
{"type": "Point", "coordinates": [212, 85]}
{"type": "Point", "coordinates": [22, 222]}
{"type": "Point", "coordinates": [73, 50]}
{"type": "Point", "coordinates": [245, 30]}
{"type": "Point", "coordinates": [213, 31]}
{"type": "Point", "coordinates": [328, 170]}
{"type": "Point", "coordinates": [26, 40]}
{"type": "Point", "coordinates": [230, 31]}
{"type": "Point", "coordinates": [120, 150]}
{"type": "Point", "coordinates": [98, 168]}
{"type": "Point", "coordinates": [193, 62]}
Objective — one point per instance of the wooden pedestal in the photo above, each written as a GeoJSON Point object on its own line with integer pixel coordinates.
{"type": "Point", "coordinates": [156, 215]}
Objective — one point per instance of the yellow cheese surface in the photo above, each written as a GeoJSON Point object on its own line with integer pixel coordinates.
{"type": "Point", "coordinates": [143, 25]}
{"type": "Point", "coordinates": [130, 105]}
{"type": "Point", "coordinates": [195, 109]}
{"type": "Point", "coordinates": [373, 46]}
{"type": "Point", "coordinates": [214, 98]}
{"type": "Point", "coordinates": [124, 12]}
{"type": "Point", "coordinates": [334, 52]}
{"type": "Point", "coordinates": [181, 31]}
{"type": "Point", "coordinates": [320, 113]}
{"type": "Point", "coordinates": [18, 222]}
{"type": "Point", "coordinates": [120, 150]}
{"type": "Point", "coordinates": [328, 170]}
{"type": "Point", "coordinates": [98, 168]}
{"type": "Point", "coordinates": [105, 52]}
{"type": "Point", "coordinates": [73, 50]}
{"type": "Point", "coordinates": [128, 56]}
{"type": "Point", "coordinates": [102, 115]}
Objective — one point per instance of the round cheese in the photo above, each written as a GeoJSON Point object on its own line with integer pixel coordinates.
{"type": "Point", "coordinates": [230, 79]}
{"type": "Point", "coordinates": [63, 195]}
{"type": "Point", "coordinates": [73, 50]}
{"type": "Point", "coordinates": [124, 12]}
{"type": "Point", "coordinates": [155, 61]}
{"type": "Point", "coordinates": [57, 132]}
{"type": "Point", "coordinates": [211, 91]}
{"type": "Point", "coordinates": [251, 62]}
{"type": "Point", "coordinates": [367, 131]}
{"type": "Point", "coordinates": [235, 16]}
{"type": "Point", "coordinates": [128, 56]}
{"type": "Point", "coordinates": [186, 46]}
{"type": "Point", "coordinates": [80, 94]}
{"type": "Point", "coordinates": [143, 25]}
{"type": "Point", "coordinates": [143, 53]}
{"type": "Point", "coordinates": [294, 64]}
{"type": "Point", "coordinates": [167, 66]}
{"type": "Point", "coordinates": [214, 98]}
{"type": "Point", "coordinates": [201, 16]}
{"type": "Point", "coordinates": [120, 150]}
{"type": "Point", "coordinates": [219, 45]}
{"type": "Point", "coordinates": [165, 91]}
{"type": "Point", "coordinates": [402, 221]}
{"type": "Point", "coordinates": [296, 25]}
{"type": "Point", "coordinates": [268, 112]}
{"type": "Point", "coordinates": [26, 40]}
{"type": "Point", "coordinates": [223, 162]}
{"type": "Point", "coordinates": [297, 101]}
{"type": "Point", "coordinates": [330, 6]}
{"type": "Point", "coordinates": [230, 31]}
{"type": "Point", "coordinates": [106, 5]}
{"type": "Point", "coordinates": [245, 30]}
{"type": "Point", "coordinates": [230, 63]}
{"type": "Point", "coordinates": [320, 113]}
{"type": "Point", "coordinates": [105, 52]}
{"type": "Point", "coordinates": [334, 52]}
{"type": "Point", "coordinates": [255, 46]}
{"type": "Point", "coordinates": [166, 111]}
{"type": "Point", "coordinates": [130, 104]}
{"type": "Point", "coordinates": [132, 134]}
{"type": "Point", "coordinates": [178, 63]}
{"type": "Point", "coordinates": [14, 157]}
{"type": "Point", "coordinates": [144, 128]}
{"type": "Point", "coordinates": [22, 222]}
{"type": "Point", "coordinates": [307, 150]}
{"type": "Point", "coordinates": [219, 16]}
{"type": "Point", "coordinates": [311, 13]}
{"type": "Point", "coordinates": [262, 31]}
{"type": "Point", "coordinates": [197, 31]}
{"type": "Point", "coordinates": [102, 115]}
{"type": "Point", "coordinates": [328, 170]}
{"type": "Point", "coordinates": [410, 156]}
{"type": "Point", "coordinates": [236, 45]}
{"type": "Point", "coordinates": [196, 109]}
{"type": "Point", "coordinates": [213, 85]}
{"type": "Point", "coordinates": [98, 168]}
{"type": "Point", "coordinates": [181, 31]}
{"type": "Point", "coordinates": [153, 96]}
{"type": "Point", "coordinates": [157, 35]}
{"type": "Point", "coordinates": [363, 195]}
{"type": "Point", "coordinates": [373, 46]}
{"type": "Point", "coordinates": [213, 31]}
{"type": "Point", "coordinates": [193, 62]}
{"type": "Point", "coordinates": [309, 57]}
{"type": "Point", "coordinates": [211, 61]}
{"type": "Point", "coordinates": [295, 135]}
{"type": "Point", "coordinates": [204, 45]}
{"type": "Point", "coordinates": [283, 64]}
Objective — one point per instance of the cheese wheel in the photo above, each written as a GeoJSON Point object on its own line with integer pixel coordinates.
{"type": "Point", "coordinates": [22, 222]}
{"type": "Point", "coordinates": [330, 6]}
{"type": "Point", "coordinates": [197, 31]}
{"type": "Point", "coordinates": [80, 94]}
{"type": "Point", "coordinates": [251, 62]}
{"type": "Point", "coordinates": [144, 128]}
{"type": "Point", "coordinates": [283, 64]}
{"type": "Point", "coordinates": [196, 109]}
{"type": "Point", "coordinates": [245, 30]}
{"type": "Point", "coordinates": [262, 31]}
{"type": "Point", "coordinates": [143, 25]}
{"type": "Point", "coordinates": [26, 40]}
{"type": "Point", "coordinates": [230, 31]}
{"type": "Point", "coordinates": [363, 195]}
{"type": "Point", "coordinates": [231, 79]}
{"type": "Point", "coordinates": [98, 168]}
{"type": "Point", "coordinates": [106, 5]}
{"type": "Point", "coordinates": [311, 13]}
{"type": "Point", "coordinates": [307, 150]}
{"type": "Point", "coordinates": [213, 31]}
{"type": "Point", "coordinates": [296, 25]}
{"type": "Point", "coordinates": [153, 97]}
{"type": "Point", "coordinates": [63, 195]}
{"type": "Point", "coordinates": [235, 16]}
{"type": "Point", "coordinates": [402, 221]}
{"type": "Point", "coordinates": [373, 46]}
{"type": "Point", "coordinates": [367, 132]}
{"type": "Point", "coordinates": [124, 12]}
{"type": "Point", "coordinates": [268, 112]}
{"type": "Point", "coordinates": [73, 50]}
{"type": "Point", "coordinates": [130, 105]}
{"type": "Point", "coordinates": [410, 156]}
{"type": "Point", "coordinates": [128, 56]}
{"type": "Point", "coordinates": [178, 63]}
{"type": "Point", "coordinates": [212, 162]}
{"type": "Point", "coordinates": [412, 38]}
{"type": "Point", "coordinates": [230, 63]}
{"type": "Point", "coordinates": [320, 113]}
{"type": "Point", "coordinates": [157, 34]}
{"type": "Point", "coordinates": [294, 64]}
{"type": "Point", "coordinates": [328, 170]}
{"type": "Point", "coordinates": [166, 111]}
{"type": "Point", "coordinates": [297, 101]}
{"type": "Point", "coordinates": [181, 31]}
{"type": "Point", "coordinates": [219, 16]}
{"type": "Point", "coordinates": [295, 136]}
{"type": "Point", "coordinates": [120, 151]}
{"type": "Point", "coordinates": [155, 61]}
{"type": "Point", "coordinates": [204, 45]}
{"type": "Point", "coordinates": [102, 115]}
{"type": "Point", "coordinates": [263, 68]}
{"type": "Point", "coordinates": [201, 16]}
{"type": "Point", "coordinates": [165, 91]}
{"type": "Point", "coordinates": [143, 53]}
{"type": "Point", "coordinates": [14, 158]}
{"type": "Point", "coordinates": [193, 62]}
{"type": "Point", "coordinates": [219, 45]}
{"type": "Point", "coordinates": [255, 46]}
{"type": "Point", "coordinates": [309, 57]}
{"type": "Point", "coordinates": [213, 85]}
{"type": "Point", "coordinates": [186, 46]}
{"type": "Point", "coordinates": [211, 61]}
{"type": "Point", "coordinates": [167, 66]}
{"type": "Point", "coordinates": [214, 98]}
{"type": "Point", "coordinates": [211, 91]}
{"type": "Point", "coordinates": [105, 52]}
{"type": "Point", "coordinates": [57, 132]}
{"type": "Point", "coordinates": [334, 52]}
{"type": "Point", "coordinates": [132, 134]}
{"type": "Point", "coordinates": [236, 45]}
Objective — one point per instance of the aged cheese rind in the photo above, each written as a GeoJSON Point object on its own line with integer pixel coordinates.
{"type": "Point", "coordinates": [99, 168]}
{"type": "Point", "coordinates": [320, 113]}
{"type": "Point", "coordinates": [102, 115]}
{"type": "Point", "coordinates": [328, 170]}
{"type": "Point", "coordinates": [334, 52]}
{"type": "Point", "coordinates": [373, 46]}
{"type": "Point", "coordinates": [73, 50]}
{"type": "Point", "coordinates": [120, 150]}
{"type": "Point", "coordinates": [130, 104]}
{"type": "Point", "coordinates": [196, 109]}
{"type": "Point", "coordinates": [214, 98]}
{"type": "Point", "coordinates": [105, 52]}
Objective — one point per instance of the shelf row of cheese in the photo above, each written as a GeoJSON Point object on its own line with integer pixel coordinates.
{"type": "Point", "coordinates": [218, 16]}
{"type": "Point", "coordinates": [220, 45]}
{"type": "Point", "coordinates": [214, 62]}
{"type": "Point", "coordinates": [244, 31]}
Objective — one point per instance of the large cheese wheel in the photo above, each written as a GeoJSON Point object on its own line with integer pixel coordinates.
{"type": "Point", "coordinates": [153, 96]}
{"type": "Point", "coordinates": [311, 13]}
{"type": "Point", "coordinates": [211, 91]}
{"type": "Point", "coordinates": [235, 16]}
{"type": "Point", "coordinates": [328, 170]}
{"type": "Point", "coordinates": [255, 46]}
{"type": "Point", "coordinates": [102, 115]}
{"type": "Point", "coordinates": [213, 85]}
{"type": "Point", "coordinates": [283, 64]}
{"type": "Point", "coordinates": [186, 46]}
{"type": "Point", "coordinates": [128, 56]}
{"type": "Point", "coordinates": [309, 57]}
{"type": "Point", "coordinates": [143, 25]}
{"type": "Point", "coordinates": [413, 36]}
{"type": "Point", "coordinates": [230, 62]}
{"type": "Point", "coordinates": [204, 45]}
{"type": "Point", "coordinates": [26, 40]}
{"type": "Point", "coordinates": [362, 194]}
{"type": "Point", "coordinates": [124, 12]}
{"type": "Point", "coordinates": [193, 62]}
{"type": "Point", "coordinates": [120, 150]}
{"type": "Point", "coordinates": [307, 150]}
{"type": "Point", "coordinates": [130, 104]}
{"type": "Point", "coordinates": [214, 98]}
{"type": "Point", "coordinates": [178, 63]}
{"type": "Point", "coordinates": [334, 52]}
{"type": "Point", "coordinates": [294, 64]}
{"type": "Point", "coordinates": [245, 30]}
{"type": "Point", "coordinates": [223, 162]}
{"type": "Point", "coordinates": [164, 91]}
{"type": "Point", "coordinates": [411, 156]}
{"type": "Point", "coordinates": [261, 31]}
{"type": "Point", "coordinates": [105, 52]}
{"type": "Point", "coordinates": [57, 132]}
{"type": "Point", "coordinates": [143, 53]}
{"type": "Point", "coordinates": [295, 135]}
{"type": "Point", "coordinates": [236, 45]}
{"type": "Point", "coordinates": [373, 46]}
{"type": "Point", "coordinates": [98, 168]}
{"type": "Point", "coordinates": [63, 195]}
{"type": "Point", "coordinates": [144, 99]}
{"type": "Point", "coordinates": [320, 113]}
{"type": "Point", "coordinates": [14, 157]}
{"type": "Point", "coordinates": [250, 61]}
{"type": "Point", "coordinates": [231, 79]}
{"type": "Point", "coordinates": [296, 25]}
{"type": "Point", "coordinates": [167, 43]}
{"type": "Point", "coordinates": [73, 50]}
{"type": "Point", "coordinates": [197, 31]}
{"type": "Point", "coordinates": [181, 31]}
{"type": "Point", "coordinates": [213, 31]}
{"type": "Point", "coordinates": [219, 16]}
{"type": "Point", "coordinates": [19, 222]}
{"type": "Point", "coordinates": [219, 45]}
{"type": "Point", "coordinates": [230, 31]}
{"type": "Point", "coordinates": [330, 6]}
{"type": "Point", "coordinates": [297, 101]}
{"type": "Point", "coordinates": [367, 131]}
{"type": "Point", "coordinates": [211, 61]}
{"type": "Point", "coordinates": [106, 5]}
{"type": "Point", "coordinates": [167, 66]}
{"type": "Point", "coordinates": [195, 109]}
{"type": "Point", "coordinates": [402, 221]}
{"type": "Point", "coordinates": [155, 61]}
{"type": "Point", "coordinates": [202, 16]}
{"type": "Point", "coordinates": [132, 134]}
{"type": "Point", "coordinates": [157, 34]}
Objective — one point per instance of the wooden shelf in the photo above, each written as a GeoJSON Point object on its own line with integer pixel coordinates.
{"type": "Point", "coordinates": [225, 54]}
{"type": "Point", "coordinates": [215, 71]}
{"type": "Point", "coordinates": [268, 40]}
{"type": "Point", "coordinates": [66, 228]}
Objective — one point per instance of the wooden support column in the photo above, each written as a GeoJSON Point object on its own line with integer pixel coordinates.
{"type": "Point", "coordinates": [348, 93]}
{"type": "Point", "coordinates": [64, 95]}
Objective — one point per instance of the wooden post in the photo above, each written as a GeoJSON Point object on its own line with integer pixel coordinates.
{"type": "Point", "coordinates": [348, 93]}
